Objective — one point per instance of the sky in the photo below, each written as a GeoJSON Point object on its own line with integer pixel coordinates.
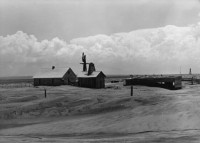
{"type": "Point", "coordinates": [119, 36]}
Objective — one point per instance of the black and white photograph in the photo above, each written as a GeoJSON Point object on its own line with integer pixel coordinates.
{"type": "Point", "coordinates": [99, 71]}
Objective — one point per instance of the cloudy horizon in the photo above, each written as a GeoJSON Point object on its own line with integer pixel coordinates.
{"type": "Point", "coordinates": [129, 37]}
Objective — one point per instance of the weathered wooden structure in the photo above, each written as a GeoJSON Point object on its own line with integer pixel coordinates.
{"type": "Point", "coordinates": [169, 82]}
{"type": "Point", "coordinates": [95, 80]}
{"type": "Point", "coordinates": [90, 78]}
{"type": "Point", "coordinates": [54, 77]}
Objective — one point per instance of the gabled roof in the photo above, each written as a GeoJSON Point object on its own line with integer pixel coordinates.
{"type": "Point", "coordinates": [51, 73]}
{"type": "Point", "coordinates": [94, 74]}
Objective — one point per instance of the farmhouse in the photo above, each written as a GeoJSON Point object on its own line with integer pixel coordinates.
{"type": "Point", "coordinates": [54, 77]}
{"type": "Point", "coordinates": [94, 80]}
{"type": "Point", "coordinates": [90, 78]}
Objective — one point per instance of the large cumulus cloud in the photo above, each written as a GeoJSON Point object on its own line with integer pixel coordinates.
{"type": "Point", "coordinates": [147, 51]}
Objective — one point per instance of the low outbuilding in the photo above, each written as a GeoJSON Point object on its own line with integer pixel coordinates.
{"type": "Point", "coordinates": [94, 80]}
{"type": "Point", "coordinates": [169, 82]}
{"type": "Point", "coordinates": [55, 77]}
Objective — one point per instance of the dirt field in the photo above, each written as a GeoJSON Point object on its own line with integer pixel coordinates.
{"type": "Point", "coordinates": [72, 114]}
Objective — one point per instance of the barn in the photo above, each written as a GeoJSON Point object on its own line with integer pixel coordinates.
{"type": "Point", "coordinates": [55, 77]}
{"type": "Point", "coordinates": [94, 80]}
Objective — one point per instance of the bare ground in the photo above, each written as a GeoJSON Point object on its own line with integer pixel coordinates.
{"type": "Point", "coordinates": [72, 114]}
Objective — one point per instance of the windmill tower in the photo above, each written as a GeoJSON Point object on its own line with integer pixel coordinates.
{"type": "Point", "coordinates": [84, 63]}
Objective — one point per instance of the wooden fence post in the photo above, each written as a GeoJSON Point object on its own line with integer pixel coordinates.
{"type": "Point", "coordinates": [192, 80]}
{"type": "Point", "coordinates": [131, 85]}
{"type": "Point", "coordinates": [45, 93]}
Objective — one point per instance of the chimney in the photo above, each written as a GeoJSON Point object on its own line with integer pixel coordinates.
{"type": "Point", "coordinates": [53, 67]}
{"type": "Point", "coordinates": [91, 68]}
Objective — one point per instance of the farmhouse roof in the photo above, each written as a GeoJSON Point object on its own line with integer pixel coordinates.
{"type": "Point", "coordinates": [51, 73]}
{"type": "Point", "coordinates": [94, 74]}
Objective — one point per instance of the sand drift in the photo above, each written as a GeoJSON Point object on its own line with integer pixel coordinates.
{"type": "Point", "coordinates": [78, 114]}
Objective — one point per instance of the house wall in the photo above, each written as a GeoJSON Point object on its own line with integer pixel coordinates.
{"type": "Point", "coordinates": [101, 82]}
{"type": "Point", "coordinates": [87, 82]}
{"type": "Point", "coordinates": [169, 83]}
{"type": "Point", "coordinates": [36, 82]}
{"type": "Point", "coordinates": [69, 77]}
{"type": "Point", "coordinates": [48, 81]}
{"type": "Point", "coordinates": [98, 82]}
{"type": "Point", "coordinates": [178, 83]}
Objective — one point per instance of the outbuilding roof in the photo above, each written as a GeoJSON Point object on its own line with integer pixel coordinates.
{"type": "Point", "coordinates": [51, 73]}
{"type": "Point", "coordinates": [94, 74]}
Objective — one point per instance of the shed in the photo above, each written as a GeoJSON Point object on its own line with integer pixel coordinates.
{"type": "Point", "coordinates": [95, 80]}
{"type": "Point", "coordinates": [54, 77]}
{"type": "Point", "coordinates": [169, 82]}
